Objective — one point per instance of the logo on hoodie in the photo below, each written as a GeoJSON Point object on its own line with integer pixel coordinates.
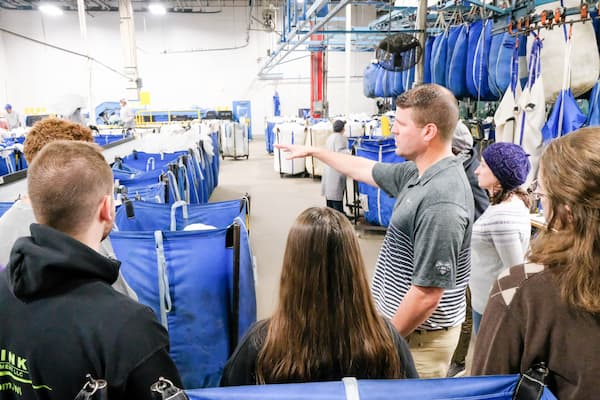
{"type": "Point", "coordinates": [14, 367]}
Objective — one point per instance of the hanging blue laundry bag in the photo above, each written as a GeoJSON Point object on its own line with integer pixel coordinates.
{"type": "Point", "coordinates": [494, 53]}
{"type": "Point", "coordinates": [397, 84]}
{"type": "Point", "coordinates": [438, 57]}
{"type": "Point", "coordinates": [408, 78]}
{"type": "Point", "coordinates": [386, 82]}
{"type": "Point", "coordinates": [593, 118]}
{"type": "Point", "coordinates": [379, 81]}
{"type": "Point", "coordinates": [500, 71]}
{"type": "Point", "coordinates": [457, 65]}
{"type": "Point", "coordinates": [427, 62]}
{"type": "Point", "coordinates": [480, 41]}
{"type": "Point", "coordinates": [560, 123]}
{"type": "Point", "coordinates": [369, 79]}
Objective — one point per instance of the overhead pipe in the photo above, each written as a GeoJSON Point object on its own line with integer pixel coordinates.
{"type": "Point", "coordinates": [267, 67]}
{"type": "Point", "coordinates": [316, 6]}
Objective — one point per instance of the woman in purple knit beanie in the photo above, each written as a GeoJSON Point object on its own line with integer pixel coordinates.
{"type": "Point", "coordinates": [501, 235]}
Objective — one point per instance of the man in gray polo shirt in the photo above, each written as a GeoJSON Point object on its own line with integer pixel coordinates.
{"type": "Point", "coordinates": [423, 266]}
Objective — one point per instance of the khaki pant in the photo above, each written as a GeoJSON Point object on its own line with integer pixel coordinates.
{"type": "Point", "coordinates": [432, 351]}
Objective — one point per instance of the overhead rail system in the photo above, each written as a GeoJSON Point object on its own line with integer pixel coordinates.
{"type": "Point", "coordinates": [302, 20]}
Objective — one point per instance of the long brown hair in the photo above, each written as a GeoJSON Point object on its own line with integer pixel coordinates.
{"type": "Point", "coordinates": [503, 195]}
{"type": "Point", "coordinates": [570, 246]}
{"type": "Point", "coordinates": [325, 326]}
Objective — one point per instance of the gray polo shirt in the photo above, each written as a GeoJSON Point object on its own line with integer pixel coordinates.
{"type": "Point", "coordinates": [428, 240]}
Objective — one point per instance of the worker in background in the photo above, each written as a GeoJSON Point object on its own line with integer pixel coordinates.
{"type": "Point", "coordinates": [333, 183]}
{"type": "Point", "coordinates": [423, 266]}
{"type": "Point", "coordinates": [65, 319]}
{"type": "Point", "coordinates": [127, 116]}
{"type": "Point", "coordinates": [77, 117]}
{"type": "Point", "coordinates": [12, 117]}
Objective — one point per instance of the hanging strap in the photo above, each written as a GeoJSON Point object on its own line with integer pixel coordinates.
{"type": "Point", "coordinates": [186, 180]}
{"type": "Point", "coordinates": [150, 162]}
{"type": "Point", "coordinates": [172, 181]}
{"type": "Point", "coordinates": [351, 388]}
{"type": "Point", "coordinates": [534, 71]}
{"type": "Point", "coordinates": [174, 208]}
{"type": "Point", "coordinates": [163, 279]}
{"type": "Point", "coordinates": [514, 67]}
{"type": "Point", "coordinates": [566, 81]}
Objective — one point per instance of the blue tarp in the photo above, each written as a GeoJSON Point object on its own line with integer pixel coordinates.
{"type": "Point", "coordinates": [471, 388]}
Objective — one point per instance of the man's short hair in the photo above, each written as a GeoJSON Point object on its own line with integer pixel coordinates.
{"type": "Point", "coordinates": [432, 104]}
{"type": "Point", "coordinates": [67, 181]}
{"type": "Point", "coordinates": [51, 129]}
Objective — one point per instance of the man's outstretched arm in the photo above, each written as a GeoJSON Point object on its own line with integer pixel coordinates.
{"type": "Point", "coordinates": [357, 168]}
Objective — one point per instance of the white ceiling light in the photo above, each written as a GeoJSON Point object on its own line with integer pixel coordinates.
{"type": "Point", "coordinates": [50, 9]}
{"type": "Point", "coordinates": [157, 9]}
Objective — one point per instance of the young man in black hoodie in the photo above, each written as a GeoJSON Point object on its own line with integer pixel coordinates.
{"type": "Point", "coordinates": [60, 317]}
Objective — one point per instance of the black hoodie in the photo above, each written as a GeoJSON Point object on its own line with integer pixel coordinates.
{"type": "Point", "coordinates": [61, 320]}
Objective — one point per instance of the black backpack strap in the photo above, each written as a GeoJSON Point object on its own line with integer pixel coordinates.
{"type": "Point", "coordinates": [532, 383]}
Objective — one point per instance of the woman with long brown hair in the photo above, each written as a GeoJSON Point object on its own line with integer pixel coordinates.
{"type": "Point", "coordinates": [325, 326]}
{"type": "Point", "coordinates": [548, 310]}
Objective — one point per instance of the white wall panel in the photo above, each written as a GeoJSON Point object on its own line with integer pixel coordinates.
{"type": "Point", "coordinates": [175, 76]}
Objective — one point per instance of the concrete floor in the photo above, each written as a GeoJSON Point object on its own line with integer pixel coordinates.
{"type": "Point", "coordinates": [275, 204]}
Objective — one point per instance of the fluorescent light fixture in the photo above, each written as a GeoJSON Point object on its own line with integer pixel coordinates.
{"type": "Point", "coordinates": [50, 9]}
{"type": "Point", "coordinates": [157, 9]}
{"type": "Point", "coordinates": [300, 1]}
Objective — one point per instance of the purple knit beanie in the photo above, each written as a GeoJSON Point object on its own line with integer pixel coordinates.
{"type": "Point", "coordinates": [509, 164]}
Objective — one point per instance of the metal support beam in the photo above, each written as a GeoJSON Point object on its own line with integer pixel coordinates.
{"type": "Point", "coordinates": [347, 59]}
{"type": "Point", "coordinates": [84, 38]}
{"type": "Point", "coordinates": [276, 58]}
{"type": "Point", "coordinates": [422, 35]}
{"type": "Point", "coordinates": [128, 47]}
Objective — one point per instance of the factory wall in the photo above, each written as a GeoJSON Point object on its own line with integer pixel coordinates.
{"type": "Point", "coordinates": [184, 60]}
